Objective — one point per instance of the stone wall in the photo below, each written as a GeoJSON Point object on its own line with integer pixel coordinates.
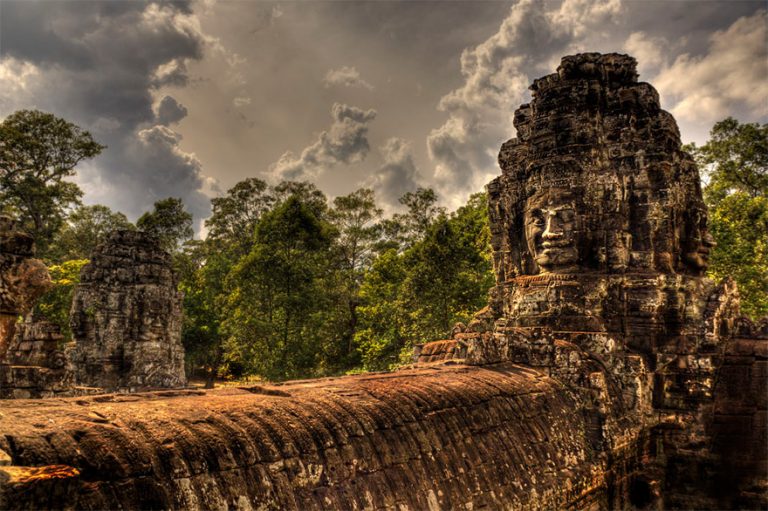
{"type": "Point", "coordinates": [36, 365]}
{"type": "Point", "coordinates": [23, 279]}
{"type": "Point", "coordinates": [441, 438]}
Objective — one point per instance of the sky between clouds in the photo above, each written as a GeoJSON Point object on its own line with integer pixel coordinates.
{"type": "Point", "coordinates": [192, 97]}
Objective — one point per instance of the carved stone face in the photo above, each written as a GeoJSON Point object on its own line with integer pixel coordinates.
{"type": "Point", "coordinates": [698, 257]}
{"type": "Point", "coordinates": [698, 244]}
{"type": "Point", "coordinates": [551, 228]}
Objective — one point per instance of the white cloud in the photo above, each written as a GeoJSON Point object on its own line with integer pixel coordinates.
{"type": "Point", "coordinates": [346, 76]}
{"type": "Point", "coordinates": [16, 75]}
{"type": "Point", "coordinates": [730, 79]}
{"type": "Point", "coordinates": [496, 81]}
{"type": "Point", "coordinates": [241, 101]}
{"type": "Point", "coordinates": [649, 52]}
{"type": "Point", "coordinates": [345, 142]}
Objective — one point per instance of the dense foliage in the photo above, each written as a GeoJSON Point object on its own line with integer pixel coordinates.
{"type": "Point", "coordinates": [38, 151]}
{"type": "Point", "coordinates": [287, 284]}
{"type": "Point", "coordinates": [735, 166]}
{"type": "Point", "coordinates": [168, 222]}
{"type": "Point", "coordinates": [55, 305]}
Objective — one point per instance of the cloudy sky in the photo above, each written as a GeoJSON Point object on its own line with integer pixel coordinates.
{"type": "Point", "coordinates": [192, 97]}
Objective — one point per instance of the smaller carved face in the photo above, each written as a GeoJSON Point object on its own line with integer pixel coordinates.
{"type": "Point", "coordinates": [551, 226]}
{"type": "Point", "coordinates": [699, 244]}
{"type": "Point", "coordinates": [698, 258]}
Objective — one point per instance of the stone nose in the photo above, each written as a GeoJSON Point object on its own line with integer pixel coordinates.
{"type": "Point", "coordinates": [553, 229]}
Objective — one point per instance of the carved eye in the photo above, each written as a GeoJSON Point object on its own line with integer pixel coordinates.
{"type": "Point", "coordinates": [537, 218]}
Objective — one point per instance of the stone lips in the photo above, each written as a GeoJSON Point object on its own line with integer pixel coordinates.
{"type": "Point", "coordinates": [126, 317]}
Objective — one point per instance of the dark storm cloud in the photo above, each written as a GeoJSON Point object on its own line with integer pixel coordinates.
{"type": "Point", "coordinates": [345, 142]}
{"type": "Point", "coordinates": [99, 64]}
{"type": "Point", "coordinates": [398, 174]}
{"type": "Point", "coordinates": [170, 111]}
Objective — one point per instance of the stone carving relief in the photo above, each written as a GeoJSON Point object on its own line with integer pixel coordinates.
{"type": "Point", "coordinates": [23, 279]}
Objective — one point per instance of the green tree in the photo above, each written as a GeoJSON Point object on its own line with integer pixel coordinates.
{"type": "Point", "coordinates": [381, 334]}
{"type": "Point", "coordinates": [404, 229]}
{"type": "Point", "coordinates": [203, 272]}
{"type": "Point", "coordinates": [169, 223]}
{"type": "Point", "coordinates": [278, 302]}
{"type": "Point", "coordinates": [356, 218]}
{"type": "Point", "coordinates": [419, 294]}
{"type": "Point", "coordinates": [304, 191]}
{"type": "Point", "coordinates": [735, 164]}
{"type": "Point", "coordinates": [56, 303]}
{"type": "Point", "coordinates": [84, 228]}
{"type": "Point", "coordinates": [236, 214]}
{"type": "Point", "coordinates": [205, 265]}
{"type": "Point", "coordinates": [38, 151]}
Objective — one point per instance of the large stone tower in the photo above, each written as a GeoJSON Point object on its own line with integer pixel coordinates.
{"type": "Point", "coordinates": [23, 279]}
{"type": "Point", "coordinates": [126, 317]}
{"type": "Point", "coordinates": [600, 244]}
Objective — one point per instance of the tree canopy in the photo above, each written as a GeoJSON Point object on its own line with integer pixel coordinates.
{"type": "Point", "coordinates": [38, 151]}
{"type": "Point", "coordinates": [735, 166]}
{"type": "Point", "coordinates": [83, 229]}
{"type": "Point", "coordinates": [168, 222]}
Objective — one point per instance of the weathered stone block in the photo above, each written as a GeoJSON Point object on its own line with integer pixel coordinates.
{"type": "Point", "coordinates": [126, 317]}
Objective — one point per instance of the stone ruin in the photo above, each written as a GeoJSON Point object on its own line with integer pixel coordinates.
{"type": "Point", "coordinates": [24, 279]}
{"type": "Point", "coordinates": [125, 319]}
{"type": "Point", "coordinates": [606, 372]}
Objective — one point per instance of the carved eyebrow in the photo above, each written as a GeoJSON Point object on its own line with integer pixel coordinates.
{"type": "Point", "coordinates": [562, 208]}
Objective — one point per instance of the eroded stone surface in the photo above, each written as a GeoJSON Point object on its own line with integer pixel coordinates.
{"type": "Point", "coordinates": [435, 438]}
{"type": "Point", "coordinates": [36, 365]}
{"type": "Point", "coordinates": [23, 279]}
{"type": "Point", "coordinates": [600, 245]}
{"type": "Point", "coordinates": [126, 317]}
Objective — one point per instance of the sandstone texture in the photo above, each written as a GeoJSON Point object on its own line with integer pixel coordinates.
{"type": "Point", "coordinates": [36, 365]}
{"type": "Point", "coordinates": [126, 317]}
{"type": "Point", "coordinates": [606, 372]}
{"type": "Point", "coordinates": [436, 438]}
{"type": "Point", "coordinates": [600, 243]}
{"type": "Point", "coordinates": [23, 279]}
{"type": "Point", "coordinates": [31, 361]}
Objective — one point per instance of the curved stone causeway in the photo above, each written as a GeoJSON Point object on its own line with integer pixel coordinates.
{"type": "Point", "coordinates": [442, 437]}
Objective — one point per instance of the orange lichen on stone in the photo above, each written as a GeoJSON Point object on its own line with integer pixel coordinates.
{"type": "Point", "coordinates": [27, 475]}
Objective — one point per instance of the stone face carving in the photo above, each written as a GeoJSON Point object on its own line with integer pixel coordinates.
{"type": "Point", "coordinates": [552, 230]}
{"type": "Point", "coordinates": [23, 279]}
{"type": "Point", "coordinates": [126, 317]}
{"type": "Point", "coordinates": [600, 243]}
